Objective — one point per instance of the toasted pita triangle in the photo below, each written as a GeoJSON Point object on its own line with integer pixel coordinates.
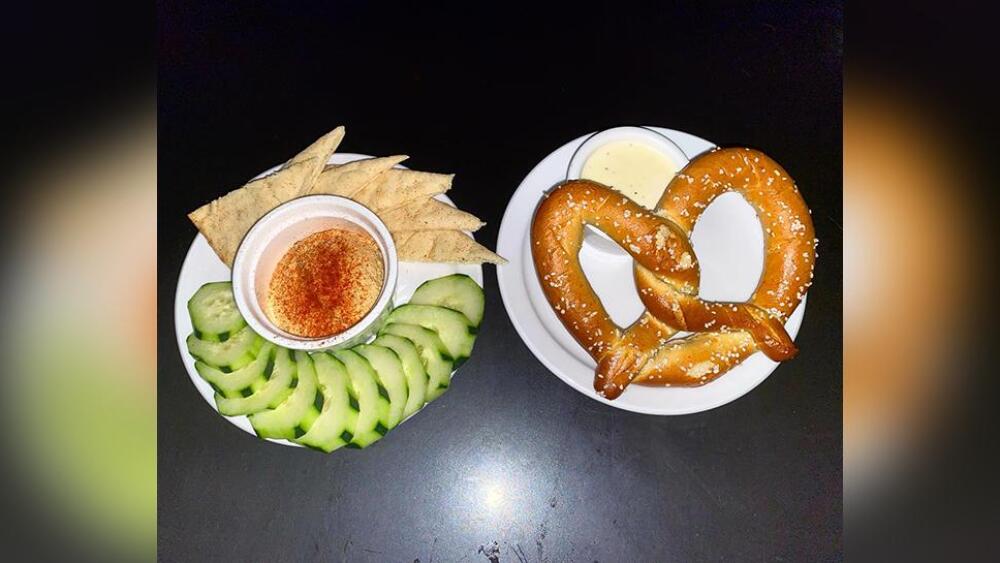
{"type": "Point", "coordinates": [442, 246]}
{"type": "Point", "coordinates": [308, 165]}
{"type": "Point", "coordinates": [318, 154]}
{"type": "Point", "coordinates": [398, 187]}
{"type": "Point", "coordinates": [226, 220]}
{"type": "Point", "coordinates": [347, 179]}
{"type": "Point", "coordinates": [429, 214]}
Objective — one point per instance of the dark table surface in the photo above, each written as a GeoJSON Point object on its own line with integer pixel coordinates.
{"type": "Point", "coordinates": [510, 455]}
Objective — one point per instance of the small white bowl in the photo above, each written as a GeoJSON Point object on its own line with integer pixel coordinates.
{"type": "Point", "coordinates": [653, 139]}
{"type": "Point", "coordinates": [269, 239]}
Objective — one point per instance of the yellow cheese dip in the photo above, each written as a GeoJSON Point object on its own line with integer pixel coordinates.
{"type": "Point", "coordinates": [634, 168]}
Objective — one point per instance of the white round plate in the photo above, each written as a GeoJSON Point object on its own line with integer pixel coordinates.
{"type": "Point", "coordinates": [730, 248]}
{"type": "Point", "coordinates": [202, 266]}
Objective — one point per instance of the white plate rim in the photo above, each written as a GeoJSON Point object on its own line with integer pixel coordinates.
{"type": "Point", "coordinates": [182, 322]}
{"type": "Point", "coordinates": [511, 282]}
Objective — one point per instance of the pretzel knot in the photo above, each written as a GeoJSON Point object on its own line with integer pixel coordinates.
{"type": "Point", "coordinates": [667, 273]}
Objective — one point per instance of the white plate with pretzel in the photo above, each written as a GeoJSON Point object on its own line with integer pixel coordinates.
{"type": "Point", "coordinates": [704, 329]}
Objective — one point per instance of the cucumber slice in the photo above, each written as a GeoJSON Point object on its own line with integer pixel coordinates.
{"type": "Point", "coordinates": [457, 291]}
{"type": "Point", "coordinates": [269, 393]}
{"type": "Point", "coordinates": [389, 370]}
{"type": "Point", "coordinates": [370, 398]}
{"type": "Point", "coordinates": [213, 312]}
{"type": "Point", "coordinates": [296, 414]}
{"type": "Point", "coordinates": [238, 383]}
{"type": "Point", "coordinates": [232, 354]}
{"type": "Point", "coordinates": [433, 353]}
{"type": "Point", "coordinates": [454, 328]}
{"type": "Point", "coordinates": [337, 421]}
{"type": "Point", "coordinates": [413, 369]}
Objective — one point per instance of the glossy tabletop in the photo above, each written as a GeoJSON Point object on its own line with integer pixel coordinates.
{"type": "Point", "coordinates": [510, 464]}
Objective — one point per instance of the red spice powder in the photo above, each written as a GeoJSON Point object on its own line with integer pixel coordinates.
{"type": "Point", "coordinates": [326, 283]}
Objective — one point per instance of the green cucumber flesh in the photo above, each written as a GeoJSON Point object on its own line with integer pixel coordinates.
{"type": "Point", "coordinates": [391, 377]}
{"type": "Point", "coordinates": [338, 419]}
{"type": "Point", "coordinates": [296, 414]}
{"type": "Point", "coordinates": [237, 383]}
{"type": "Point", "coordinates": [372, 405]}
{"type": "Point", "coordinates": [213, 311]}
{"type": "Point", "coordinates": [232, 354]}
{"type": "Point", "coordinates": [454, 328]}
{"type": "Point", "coordinates": [269, 394]}
{"type": "Point", "coordinates": [413, 369]}
{"type": "Point", "coordinates": [458, 292]}
{"type": "Point", "coordinates": [433, 353]}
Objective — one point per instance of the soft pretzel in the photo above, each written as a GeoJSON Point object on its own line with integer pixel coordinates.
{"type": "Point", "coordinates": [667, 272]}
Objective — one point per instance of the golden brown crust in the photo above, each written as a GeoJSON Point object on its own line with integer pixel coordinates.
{"type": "Point", "coordinates": [667, 272]}
{"type": "Point", "coordinates": [789, 258]}
{"type": "Point", "coordinates": [557, 233]}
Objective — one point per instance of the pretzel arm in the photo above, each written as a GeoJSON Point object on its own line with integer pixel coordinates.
{"type": "Point", "coordinates": [789, 237]}
{"type": "Point", "coordinates": [697, 359]}
{"type": "Point", "coordinates": [555, 248]}
{"type": "Point", "coordinates": [638, 345]}
{"type": "Point", "coordinates": [788, 249]}
{"type": "Point", "coordinates": [685, 312]}
{"type": "Point", "coordinates": [557, 235]}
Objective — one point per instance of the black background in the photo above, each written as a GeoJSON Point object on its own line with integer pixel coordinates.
{"type": "Point", "coordinates": [486, 94]}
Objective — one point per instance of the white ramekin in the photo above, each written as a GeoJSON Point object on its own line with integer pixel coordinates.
{"type": "Point", "coordinates": [655, 140]}
{"type": "Point", "coordinates": [269, 239]}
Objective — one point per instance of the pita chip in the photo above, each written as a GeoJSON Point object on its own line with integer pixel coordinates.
{"type": "Point", "coordinates": [226, 220]}
{"type": "Point", "coordinates": [347, 179]}
{"type": "Point", "coordinates": [310, 162]}
{"type": "Point", "coordinates": [429, 214]}
{"type": "Point", "coordinates": [398, 187]}
{"type": "Point", "coordinates": [442, 246]}
{"type": "Point", "coordinates": [318, 154]}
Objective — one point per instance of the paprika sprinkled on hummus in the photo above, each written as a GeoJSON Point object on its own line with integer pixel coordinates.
{"type": "Point", "coordinates": [326, 283]}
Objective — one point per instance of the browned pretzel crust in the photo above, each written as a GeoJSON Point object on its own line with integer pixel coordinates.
{"type": "Point", "coordinates": [789, 258]}
{"type": "Point", "coordinates": [667, 272]}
